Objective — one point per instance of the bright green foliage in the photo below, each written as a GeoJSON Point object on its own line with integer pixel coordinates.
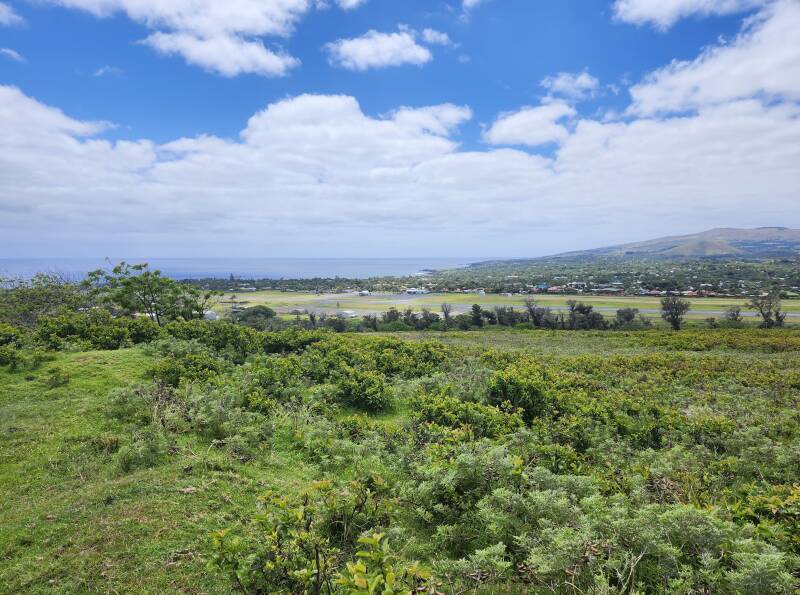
{"type": "Point", "coordinates": [563, 462]}
{"type": "Point", "coordinates": [365, 390]}
{"type": "Point", "coordinates": [9, 335]}
{"type": "Point", "coordinates": [378, 571]}
{"type": "Point", "coordinates": [522, 386]}
{"type": "Point", "coordinates": [194, 367]}
{"type": "Point", "coordinates": [296, 542]}
{"type": "Point", "coordinates": [479, 420]}
{"type": "Point", "coordinates": [134, 289]}
{"type": "Point", "coordinates": [95, 329]}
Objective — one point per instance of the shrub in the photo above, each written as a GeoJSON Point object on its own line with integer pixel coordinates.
{"type": "Point", "coordinates": [95, 329]}
{"type": "Point", "coordinates": [363, 390]}
{"type": "Point", "coordinates": [195, 367]}
{"type": "Point", "coordinates": [10, 356]}
{"type": "Point", "coordinates": [296, 540]}
{"type": "Point", "coordinates": [9, 335]}
{"type": "Point", "coordinates": [523, 386]}
{"type": "Point", "coordinates": [56, 377]}
{"type": "Point", "coordinates": [482, 421]}
{"type": "Point", "coordinates": [146, 449]}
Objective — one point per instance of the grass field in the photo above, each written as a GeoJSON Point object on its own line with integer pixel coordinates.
{"type": "Point", "coordinates": [73, 522]}
{"type": "Point", "coordinates": [285, 302]}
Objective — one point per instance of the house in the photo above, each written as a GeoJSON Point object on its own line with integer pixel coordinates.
{"type": "Point", "coordinates": [416, 291]}
{"type": "Point", "coordinates": [364, 292]}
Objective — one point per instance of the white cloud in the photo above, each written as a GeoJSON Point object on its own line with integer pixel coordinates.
{"type": "Point", "coordinates": [227, 55]}
{"type": "Point", "coordinates": [11, 54]}
{"type": "Point", "coordinates": [572, 85]}
{"type": "Point", "coordinates": [763, 60]}
{"type": "Point", "coordinates": [664, 13]}
{"type": "Point", "coordinates": [220, 36]}
{"type": "Point", "coordinates": [531, 126]}
{"type": "Point", "coordinates": [468, 4]}
{"type": "Point", "coordinates": [349, 4]}
{"type": "Point", "coordinates": [314, 173]}
{"type": "Point", "coordinates": [8, 17]}
{"type": "Point", "coordinates": [315, 170]}
{"type": "Point", "coordinates": [437, 119]}
{"type": "Point", "coordinates": [378, 50]}
{"type": "Point", "coordinates": [108, 70]}
{"type": "Point", "coordinates": [433, 36]}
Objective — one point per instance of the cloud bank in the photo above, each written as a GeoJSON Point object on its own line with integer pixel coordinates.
{"type": "Point", "coordinates": [717, 136]}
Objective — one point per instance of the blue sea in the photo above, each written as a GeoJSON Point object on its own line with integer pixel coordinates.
{"type": "Point", "coordinates": [242, 268]}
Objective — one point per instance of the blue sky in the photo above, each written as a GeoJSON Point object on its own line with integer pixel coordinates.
{"type": "Point", "coordinates": [137, 116]}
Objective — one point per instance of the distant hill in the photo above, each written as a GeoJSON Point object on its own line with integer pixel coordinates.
{"type": "Point", "coordinates": [726, 241]}
{"type": "Point", "coordinates": [760, 242]}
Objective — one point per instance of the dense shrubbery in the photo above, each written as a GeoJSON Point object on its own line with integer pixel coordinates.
{"type": "Point", "coordinates": [95, 329]}
{"type": "Point", "coordinates": [671, 469]}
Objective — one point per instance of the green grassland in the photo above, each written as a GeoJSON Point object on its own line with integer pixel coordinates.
{"type": "Point", "coordinates": [73, 522]}
{"type": "Point", "coordinates": [284, 302]}
{"type": "Point", "coordinates": [657, 423]}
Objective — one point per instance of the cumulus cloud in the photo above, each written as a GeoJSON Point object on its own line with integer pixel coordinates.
{"type": "Point", "coordinates": [314, 173]}
{"type": "Point", "coordinates": [8, 17]}
{"type": "Point", "coordinates": [433, 36]}
{"type": "Point", "coordinates": [11, 54]}
{"type": "Point", "coordinates": [222, 37]}
{"type": "Point", "coordinates": [664, 13]}
{"type": "Point", "coordinates": [378, 50]}
{"type": "Point", "coordinates": [227, 55]}
{"type": "Point", "coordinates": [531, 126]}
{"type": "Point", "coordinates": [572, 85]}
{"type": "Point", "coordinates": [763, 60]}
{"type": "Point", "coordinates": [313, 166]}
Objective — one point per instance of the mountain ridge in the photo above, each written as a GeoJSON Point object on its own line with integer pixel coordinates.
{"type": "Point", "coordinates": [721, 241]}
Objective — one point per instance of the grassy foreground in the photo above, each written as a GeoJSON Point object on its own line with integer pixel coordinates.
{"type": "Point", "coordinates": [704, 421]}
{"type": "Point", "coordinates": [72, 521]}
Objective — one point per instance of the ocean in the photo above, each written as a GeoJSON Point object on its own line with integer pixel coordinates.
{"type": "Point", "coordinates": [242, 268]}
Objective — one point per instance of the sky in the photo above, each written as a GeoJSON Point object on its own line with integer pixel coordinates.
{"type": "Point", "coordinates": [392, 128]}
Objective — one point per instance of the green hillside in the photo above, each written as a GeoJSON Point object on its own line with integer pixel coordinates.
{"type": "Point", "coordinates": [501, 461]}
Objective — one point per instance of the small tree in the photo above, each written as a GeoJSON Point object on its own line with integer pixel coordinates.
{"type": "Point", "coordinates": [734, 315]}
{"type": "Point", "coordinates": [673, 309]}
{"type": "Point", "coordinates": [768, 308]}
{"type": "Point", "coordinates": [24, 301]}
{"type": "Point", "coordinates": [447, 309]}
{"type": "Point", "coordinates": [135, 289]}
{"type": "Point", "coordinates": [477, 315]}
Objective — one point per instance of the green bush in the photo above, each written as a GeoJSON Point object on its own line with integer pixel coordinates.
{"type": "Point", "coordinates": [194, 367]}
{"type": "Point", "coordinates": [9, 335]}
{"type": "Point", "coordinates": [363, 390]}
{"type": "Point", "coordinates": [147, 448]}
{"type": "Point", "coordinates": [482, 421]}
{"type": "Point", "coordinates": [523, 386]}
{"type": "Point", "coordinates": [96, 329]}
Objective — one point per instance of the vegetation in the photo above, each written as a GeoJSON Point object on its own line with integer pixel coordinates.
{"type": "Point", "coordinates": [718, 276]}
{"type": "Point", "coordinates": [575, 456]}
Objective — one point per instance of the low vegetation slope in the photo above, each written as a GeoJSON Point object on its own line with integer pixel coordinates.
{"type": "Point", "coordinates": [216, 458]}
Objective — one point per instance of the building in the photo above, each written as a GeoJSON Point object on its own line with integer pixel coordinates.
{"type": "Point", "coordinates": [416, 291]}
